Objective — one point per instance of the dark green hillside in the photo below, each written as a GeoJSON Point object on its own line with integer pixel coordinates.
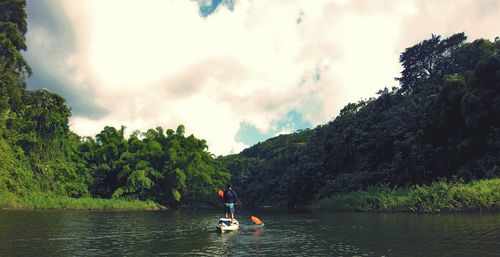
{"type": "Point", "coordinates": [442, 122]}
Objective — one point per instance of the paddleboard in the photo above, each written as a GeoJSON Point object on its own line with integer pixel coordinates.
{"type": "Point", "coordinates": [225, 225]}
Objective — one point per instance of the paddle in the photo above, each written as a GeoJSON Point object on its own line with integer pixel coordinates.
{"type": "Point", "coordinates": [254, 219]}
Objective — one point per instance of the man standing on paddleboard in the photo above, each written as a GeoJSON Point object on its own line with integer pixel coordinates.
{"type": "Point", "coordinates": [230, 199]}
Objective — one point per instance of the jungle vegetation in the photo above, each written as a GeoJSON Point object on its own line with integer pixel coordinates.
{"type": "Point", "coordinates": [442, 122]}
{"type": "Point", "coordinates": [40, 154]}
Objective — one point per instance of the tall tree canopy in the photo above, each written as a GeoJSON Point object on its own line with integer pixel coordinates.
{"type": "Point", "coordinates": [166, 167]}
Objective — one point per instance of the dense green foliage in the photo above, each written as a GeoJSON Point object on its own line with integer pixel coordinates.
{"type": "Point", "coordinates": [155, 165]}
{"type": "Point", "coordinates": [39, 154]}
{"type": "Point", "coordinates": [437, 197]}
{"type": "Point", "coordinates": [51, 201]}
{"type": "Point", "coordinates": [443, 121]}
{"type": "Point", "coordinates": [38, 151]}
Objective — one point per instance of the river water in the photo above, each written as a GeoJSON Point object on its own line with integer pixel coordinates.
{"type": "Point", "coordinates": [192, 233]}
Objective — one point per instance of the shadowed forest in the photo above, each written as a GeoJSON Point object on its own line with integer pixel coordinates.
{"type": "Point", "coordinates": [442, 122]}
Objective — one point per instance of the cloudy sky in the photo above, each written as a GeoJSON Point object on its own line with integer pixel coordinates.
{"type": "Point", "coordinates": [233, 72]}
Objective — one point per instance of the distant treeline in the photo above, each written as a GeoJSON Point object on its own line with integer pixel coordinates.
{"type": "Point", "coordinates": [39, 154]}
{"type": "Point", "coordinates": [442, 122]}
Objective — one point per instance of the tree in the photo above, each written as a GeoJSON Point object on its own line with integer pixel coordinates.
{"type": "Point", "coordinates": [14, 11]}
{"type": "Point", "coordinates": [13, 27]}
{"type": "Point", "coordinates": [427, 62]}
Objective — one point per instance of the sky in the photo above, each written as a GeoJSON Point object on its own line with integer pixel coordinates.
{"type": "Point", "coordinates": [234, 73]}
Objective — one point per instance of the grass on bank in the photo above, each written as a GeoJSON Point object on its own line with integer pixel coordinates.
{"type": "Point", "coordinates": [440, 196]}
{"type": "Point", "coordinates": [48, 201]}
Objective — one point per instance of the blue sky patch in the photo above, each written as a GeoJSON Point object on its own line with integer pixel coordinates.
{"type": "Point", "coordinates": [250, 135]}
{"type": "Point", "coordinates": [207, 7]}
{"type": "Point", "coordinates": [292, 121]}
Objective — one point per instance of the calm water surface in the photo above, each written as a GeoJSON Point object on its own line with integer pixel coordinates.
{"type": "Point", "coordinates": [192, 233]}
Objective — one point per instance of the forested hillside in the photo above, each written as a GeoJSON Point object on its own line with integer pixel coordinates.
{"type": "Point", "coordinates": [39, 153]}
{"type": "Point", "coordinates": [443, 121]}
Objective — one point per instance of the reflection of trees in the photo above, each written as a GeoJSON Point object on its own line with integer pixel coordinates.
{"type": "Point", "coordinates": [34, 233]}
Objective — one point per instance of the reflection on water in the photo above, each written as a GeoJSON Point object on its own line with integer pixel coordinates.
{"type": "Point", "coordinates": [192, 233]}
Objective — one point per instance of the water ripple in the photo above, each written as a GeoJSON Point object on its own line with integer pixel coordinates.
{"type": "Point", "coordinates": [192, 233]}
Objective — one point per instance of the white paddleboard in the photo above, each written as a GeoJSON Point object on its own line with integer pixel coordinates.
{"type": "Point", "coordinates": [225, 225]}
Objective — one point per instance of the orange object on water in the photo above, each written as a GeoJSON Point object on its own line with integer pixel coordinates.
{"type": "Point", "coordinates": [256, 220]}
{"type": "Point", "coordinates": [221, 193]}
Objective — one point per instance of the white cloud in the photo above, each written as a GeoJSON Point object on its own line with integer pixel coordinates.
{"type": "Point", "coordinates": [159, 63]}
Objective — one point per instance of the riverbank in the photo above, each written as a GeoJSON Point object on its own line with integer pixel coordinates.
{"type": "Point", "coordinates": [48, 202]}
{"type": "Point", "coordinates": [480, 195]}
